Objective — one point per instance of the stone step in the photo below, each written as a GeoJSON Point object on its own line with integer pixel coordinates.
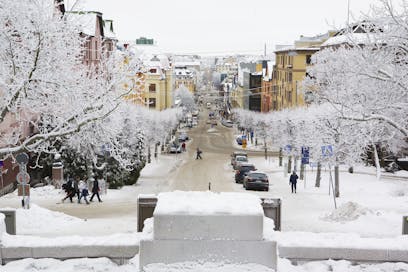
{"type": "Point", "coordinates": [208, 227]}
{"type": "Point", "coordinates": [230, 251]}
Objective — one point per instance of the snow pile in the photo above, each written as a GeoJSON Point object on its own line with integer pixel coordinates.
{"type": "Point", "coordinates": [206, 267]}
{"type": "Point", "coordinates": [331, 265]}
{"type": "Point", "coordinates": [212, 130]}
{"type": "Point", "coordinates": [118, 239]}
{"type": "Point", "coordinates": [36, 219]}
{"type": "Point", "coordinates": [348, 211]}
{"type": "Point", "coordinates": [45, 191]}
{"type": "Point", "coordinates": [208, 203]}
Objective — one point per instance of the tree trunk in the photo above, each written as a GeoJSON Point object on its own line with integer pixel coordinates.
{"type": "Point", "coordinates": [318, 174]}
{"type": "Point", "coordinates": [289, 164]}
{"type": "Point", "coordinates": [280, 157]}
{"type": "Point", "coordinates": [302, 171]}
{"type": "Point", "coordinates": [377, 162]}
{"type": "Point", "coordinates": [336, 181]}
{"type": "Point", "coordinates": [149, 160]}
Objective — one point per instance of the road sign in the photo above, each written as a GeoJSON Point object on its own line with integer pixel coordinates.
{"type": "Point", "coordinates": [327, 151]}
{"type": "Point", "coordinates": [305, 160]}
{"type": "Point", "coordinates": [26, 191]}
{"type": "Point", "coordinates": [305, 155]}
{"type": "Point", "coordinates": [287, 148]}
{"type": "Point", "coordinates": [22, 158]}
{"type": "Point", "coordinates": [23, 178]}
{"type": "Point", "coordinates": [1, 163]}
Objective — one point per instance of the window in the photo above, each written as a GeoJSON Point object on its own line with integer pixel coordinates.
{"type": "Point", "coordinates": [153, 71]}
{"type": "Point", "coordinates": [152, 102]}
{"type": "Point", "coordinates": [290, 76]}
{"type": "Point", "coordinates": [308, 59]}
{"type": "Point", "coordinates": [152, 88]}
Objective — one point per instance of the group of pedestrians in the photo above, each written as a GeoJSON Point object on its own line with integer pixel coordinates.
{"type": "Point", "coordinates": [79, 188]}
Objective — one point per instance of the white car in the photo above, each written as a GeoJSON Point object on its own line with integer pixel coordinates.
{"type": "Point", "coordinates": [175, 148]}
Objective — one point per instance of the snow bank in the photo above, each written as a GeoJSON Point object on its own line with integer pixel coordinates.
{"type": "Point", "coordinates": [340, 266]}
{"type": "Point", "coordinates": [35, 219]}
{"type": "Point", "coordinates": [212, 130]}
{"type": "Point", "coordinates": [119, 239]}
{"type": "Point", "coordinates": [336, 240]}
{"type": "Point", "coordinates": [348, 211]}
{"type": "Point", "coordinates": [208, 203]}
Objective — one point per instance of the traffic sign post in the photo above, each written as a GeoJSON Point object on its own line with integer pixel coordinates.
{"type": "Point", "coordinates": [23, 178]}
{"type": "Point", "coordinates": [1, 173]}
{"type": "Point", "coordinates": [327, 152]}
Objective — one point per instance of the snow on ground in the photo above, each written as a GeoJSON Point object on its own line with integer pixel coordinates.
{"type": "Point", "coordinates": [367, 206]}
{"type": "Point", "coordinates": [103, 265]}
{"type": "Point", "coordinates": [208, 203]}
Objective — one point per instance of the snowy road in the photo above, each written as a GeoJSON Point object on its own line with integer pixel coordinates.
{"type": "Point", "coordinates": [364, 200]}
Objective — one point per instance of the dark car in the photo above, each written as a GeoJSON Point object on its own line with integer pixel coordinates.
{"type": "Point", "coordinates": [242, 170]}
{"type": "Point", "coordinates": [257, 181]}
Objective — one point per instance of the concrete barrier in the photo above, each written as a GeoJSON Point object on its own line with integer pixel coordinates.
{"type": "Point", "coordinates": [118, 254]}
{"type": "Point", "coordinates": [174, 251]}
{"type": "Point", "coordinates": [10, 220]}
{"type": "Point", "coordinates": [351, 254]}
{"type": "Point", "coordinates": [208, 227]}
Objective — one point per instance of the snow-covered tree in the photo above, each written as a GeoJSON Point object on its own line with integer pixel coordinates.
{"type": "Point", "coordinates": [46, 91]}
{"type": "Point", "coordinates": [185, 98]}
{"type": "Point", "coordinates": [365, 79]}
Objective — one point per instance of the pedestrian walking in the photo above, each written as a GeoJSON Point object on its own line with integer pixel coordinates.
{"type": "Point", "coordinates": [183, 147]}
{"type": "Point", "coordinates": [198, 156]}
{"type": "Point", "coordinates": [75, 183]}
{"type": "Point", "coordinates": [95, 190]}
{"type": "Point", "coordinates": [83, 188]}
{"type": "Point", "coordinates": [293, 180]}
{"type": "Point", "coordinates": [69, 190]}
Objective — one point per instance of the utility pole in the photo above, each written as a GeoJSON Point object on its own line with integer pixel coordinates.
{"type": "Point", "coordinates": [265, 50]}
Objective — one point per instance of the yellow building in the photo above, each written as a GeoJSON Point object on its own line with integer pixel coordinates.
{"type": "Point", "coordinates": [152, 88]}
{"type": "Point", "coordinates": [159, 85]}
{"type": "Point", "coordinates": [291, 62]}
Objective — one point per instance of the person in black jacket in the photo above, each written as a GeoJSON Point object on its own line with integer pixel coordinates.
{"type": "Point", "coordinates": [293, 180]}
{"type": "Point", "coordinates": [95, 190]}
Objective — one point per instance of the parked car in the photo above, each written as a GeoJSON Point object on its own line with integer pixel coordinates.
{"type": "Point", "coordinates": [238, 160]}
{"type": "Point", "coordinates": [242, 170]}
{"type": "Point", "coordinates": [237, 153]}
{"type": "Point", "coordinates": [183, 137]}
{"type": "Point", "coordinates": [194, 123]}
{"type": "Point", "coordinates": [213, 122]}
{"type": "Point", "coordinates": [195, 113]}
{"type": "Point", "coordinates": [208, 105]}
{"type": "Point", "coordinates": [256, 180]}
{"type": "Point", "coordinates": [175, 148]}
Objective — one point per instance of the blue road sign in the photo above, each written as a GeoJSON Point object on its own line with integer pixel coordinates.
{"type": "Point", "coordinates": [305, 155]}
{"type": "Point", "coordinates": [327, 151]}
{"type": "Point", "coordinates": [1, 163]}
{"type": "Point", "coordinates": [305, 160]}
{"type": "Point", "coordinates": [287, 148]}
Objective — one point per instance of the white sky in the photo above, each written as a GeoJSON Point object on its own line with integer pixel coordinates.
{"type": "Point", "coordinates": [224, 26]}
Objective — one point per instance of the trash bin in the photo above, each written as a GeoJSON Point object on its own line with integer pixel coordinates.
{"type": "Point", "coordinates": [145, 209]}
{"type": "Point", "coordinates": [10, 220]}
{"type": "Point", "coordinates": [405, 225]}
{"type": "Point", "coordinates": [272, 209]}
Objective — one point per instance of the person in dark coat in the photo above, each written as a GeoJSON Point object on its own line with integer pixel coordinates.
{"type": "Point", "coordinates": [293, 180]}
{"type": "Point", "coordinates": [199, 154]}
{"type": "Point", "coordinates": [69, 190]}
{"type": "Point", "coordinates": [75, 183]}
{"type": "Point", "coordinates": [95, 190]}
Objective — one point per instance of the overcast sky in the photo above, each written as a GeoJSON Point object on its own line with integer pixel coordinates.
{"type": "Point", "coordinates": [224, 26]}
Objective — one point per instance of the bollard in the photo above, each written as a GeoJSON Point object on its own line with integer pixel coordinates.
{"type": "Point", "coordinates": [145, 209]}
{"type": "Point", "coordinates": [10, 220]}
{"type": "Point", "coordinates": [405, 225]}
{"type": "Point", "coordinates": [272, 209]}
